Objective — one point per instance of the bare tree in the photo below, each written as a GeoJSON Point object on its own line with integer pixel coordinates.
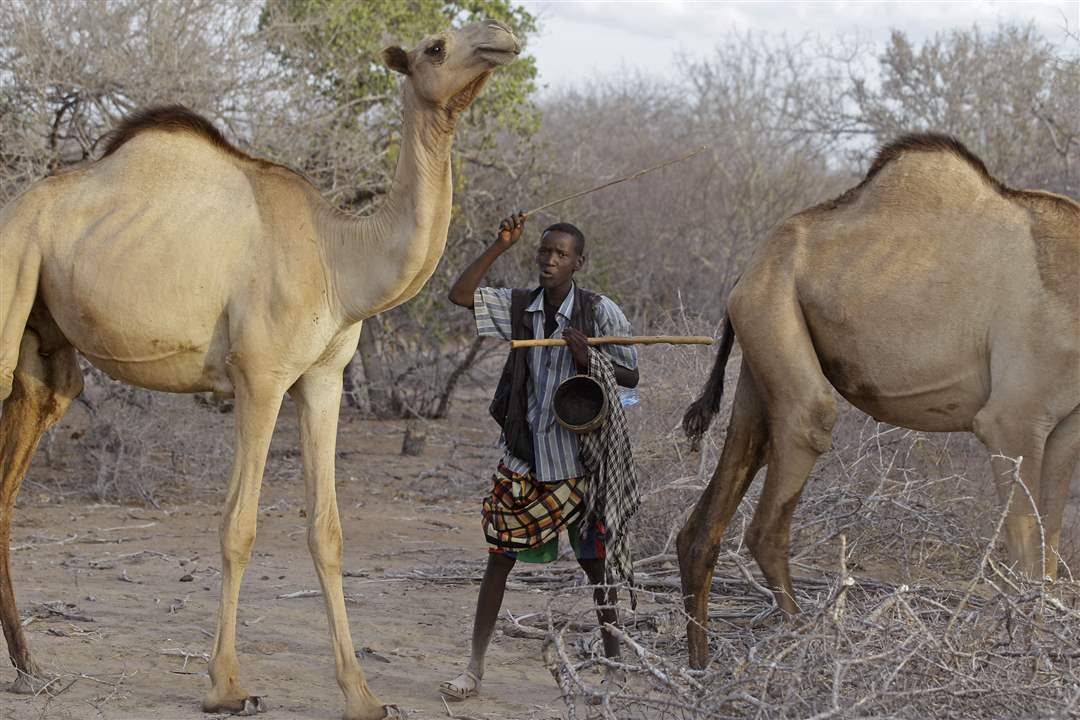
{"type": "Point", "coordinates": [70, 69]}
{"type": "Point", "coordinates": [1008, 94]}
{"type": "Point", "coordinates": [681, 235]}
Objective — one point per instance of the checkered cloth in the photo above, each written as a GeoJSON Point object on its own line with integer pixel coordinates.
{"type": "Point", "coordinates": [522, 513]}
{"type": "Point", "coordinates": [612, 490]}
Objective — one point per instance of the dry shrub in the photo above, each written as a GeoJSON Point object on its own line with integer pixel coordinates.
{"type": "Point", "coordinates": [122, 444]}
{"type": "Point", "coordinates": [858, 650]}
{"type": "Point", "coordinates": [916, 617]}
{"type": "Point", "coordinates": [898, 557]}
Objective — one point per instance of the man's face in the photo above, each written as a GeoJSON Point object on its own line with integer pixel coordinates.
{"type": "Point", "coordinates": [557, 259]}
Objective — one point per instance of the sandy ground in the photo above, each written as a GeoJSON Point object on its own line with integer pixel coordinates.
{"type": "Point", "coordinates": [141, 585]}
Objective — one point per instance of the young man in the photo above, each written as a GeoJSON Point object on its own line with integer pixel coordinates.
{"type": "Point", "coordinates": [541, 477]}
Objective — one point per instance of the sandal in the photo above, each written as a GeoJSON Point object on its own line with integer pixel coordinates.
{"type": "Point", "coordinates": [465, 685]}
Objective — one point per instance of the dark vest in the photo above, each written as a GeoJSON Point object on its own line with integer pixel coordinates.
{"type": "Point", "coordinates": [510, 406]}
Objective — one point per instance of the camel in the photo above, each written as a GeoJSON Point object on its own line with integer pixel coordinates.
{"type": "Point", "coordinates": [930, 296]}
{"type": "Point", "coordinates": [178, 263]}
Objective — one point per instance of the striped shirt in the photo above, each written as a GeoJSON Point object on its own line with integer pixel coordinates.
{"type": "Point", "coordinates": [555, 447]}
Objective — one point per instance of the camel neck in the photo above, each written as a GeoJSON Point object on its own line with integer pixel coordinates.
{"type": "Point", "coordinates": [381, 261]}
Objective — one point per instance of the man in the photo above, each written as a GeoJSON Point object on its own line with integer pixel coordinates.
{"type": "Point", "coordinates": [541, 477]}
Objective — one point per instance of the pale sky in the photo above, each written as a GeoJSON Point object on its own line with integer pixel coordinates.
{"type": "Point", "coordinates": [580, 39]}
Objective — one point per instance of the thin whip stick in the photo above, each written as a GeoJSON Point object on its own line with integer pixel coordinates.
{"type": "Point", "coordinates": [609, 183]}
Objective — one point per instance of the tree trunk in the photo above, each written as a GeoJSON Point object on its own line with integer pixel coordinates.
{"type": "Point", "coordinates": [348, 383]}
{"type": "Point", "coordinates": [452, 381]}
{"type": "Point", "coordinates": [415, 438]}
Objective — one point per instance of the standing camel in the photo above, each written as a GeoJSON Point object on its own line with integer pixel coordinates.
{"type": "Point", "coordinates": [176, 262]}
{"type": "Point", "coordinates": [929, 296]}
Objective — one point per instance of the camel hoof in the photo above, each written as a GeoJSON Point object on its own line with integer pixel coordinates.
{"type": "Point", "coordinates": [372, 711]}
{"type": "Point", "coordinates": [26, 684]}
{"type": "Point", "coordinates": [252, 706]}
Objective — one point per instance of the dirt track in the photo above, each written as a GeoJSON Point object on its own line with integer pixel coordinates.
{"type": "Point", "coordinates": [148, 579]}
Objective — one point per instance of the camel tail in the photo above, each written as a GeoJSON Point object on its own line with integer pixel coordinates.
{"type": "Point", "coordinates": [700, 414]}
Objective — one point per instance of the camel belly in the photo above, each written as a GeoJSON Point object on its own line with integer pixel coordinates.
{"type": "Point", "coordinates": [172, 339]}
{"type": "Point", "coordinates": [173, 347]}
{"type": "Point", "coordinates": [945, 409]}
{"type": "Point", "coordinates": [142, 292]}
{"type": "Point", "coordinates": [179, 373]}
{"type": "Point", "coordinates": [923, 380]}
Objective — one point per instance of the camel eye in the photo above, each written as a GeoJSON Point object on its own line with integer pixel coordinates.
{"type": "Point", "coordinates": [434, 50]}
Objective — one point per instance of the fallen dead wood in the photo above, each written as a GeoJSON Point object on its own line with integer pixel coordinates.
{"type": "Point", "coordinates": [186, 654]}
{"type": "Point", "coordinates": [58, 608]}
{"type": "Point", "coordinates": [38, 540]}
{"type": "Point", "coordinates": [349, 597]}
{"type": "Point", "coordinates": [994, 646]}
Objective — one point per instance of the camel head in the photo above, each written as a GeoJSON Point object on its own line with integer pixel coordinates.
{"type": "Point", "coordinates": [448, 69]}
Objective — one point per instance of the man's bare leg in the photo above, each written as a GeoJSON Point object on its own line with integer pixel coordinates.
{"type": "Point", "coordinates": [605, 599]}
{"type": "Point", "coordinates": [488, 603]}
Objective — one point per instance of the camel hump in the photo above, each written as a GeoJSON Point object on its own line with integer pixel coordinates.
{"type": "Point", "coordinates": [168, 118]}
{"type": "Point", "coordinates": [929, 142]}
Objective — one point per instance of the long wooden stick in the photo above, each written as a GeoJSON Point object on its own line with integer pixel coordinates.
{"type": "Point", "coordinates": [609, 183]}
{"type": "Point", "coordinates": [614, 340]}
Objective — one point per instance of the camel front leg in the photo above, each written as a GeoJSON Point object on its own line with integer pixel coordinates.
{"type": "Point", "coordinates": [1011, 434]}
{"type": "Point", "coordinates": [1059, 463]}
{"type": "Point", "coordinates": [256, 412]}
{"type": "Point", "coordinates": [318, 398]}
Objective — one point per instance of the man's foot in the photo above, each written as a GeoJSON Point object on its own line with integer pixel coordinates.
{"type": "Point", "coordinates": [465, 685]}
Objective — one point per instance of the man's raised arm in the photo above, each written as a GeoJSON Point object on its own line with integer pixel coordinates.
{"type": "Point", "coordinates": [463, 289]}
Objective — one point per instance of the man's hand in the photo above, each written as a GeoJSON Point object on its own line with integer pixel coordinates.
{"type": "Point", "coordinates": [461, 292]}
{"type": "Point", "coordinates": [511, 228]}
{"type": "Point", "coordinates": [578, 343]}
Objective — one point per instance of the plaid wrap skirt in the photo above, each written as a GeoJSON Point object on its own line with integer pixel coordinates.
{"type": "Point", "coordinates": [523, 515]}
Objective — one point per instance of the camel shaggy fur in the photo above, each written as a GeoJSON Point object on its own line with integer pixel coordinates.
{"type": "Point", "coordinates": [175, 262]}
{"type": "Point", "coordinates": [930, 296]}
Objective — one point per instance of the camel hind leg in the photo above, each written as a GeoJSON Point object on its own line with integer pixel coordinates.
{"type": "Point", "coordinates": [699, 540]}
{"type": "Point", "coordinates": [18, 288]}
{"type": "Point", "coordinates": [801, 412]}
{"type": "Point", "coordinates": [45, 381]}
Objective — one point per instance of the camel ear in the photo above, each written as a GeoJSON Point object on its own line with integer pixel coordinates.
{"type": "Point", "coordinates": [396, 59]}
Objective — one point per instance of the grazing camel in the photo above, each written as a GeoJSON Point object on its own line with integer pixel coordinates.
{"type": "Point", "coordinates": [177, 263]}
{"type": "Point", "coordinates": [929, 296]}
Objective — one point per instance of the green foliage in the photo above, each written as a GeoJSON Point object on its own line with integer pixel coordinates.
{"type": "Point", "coordinates": [337, 48]}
